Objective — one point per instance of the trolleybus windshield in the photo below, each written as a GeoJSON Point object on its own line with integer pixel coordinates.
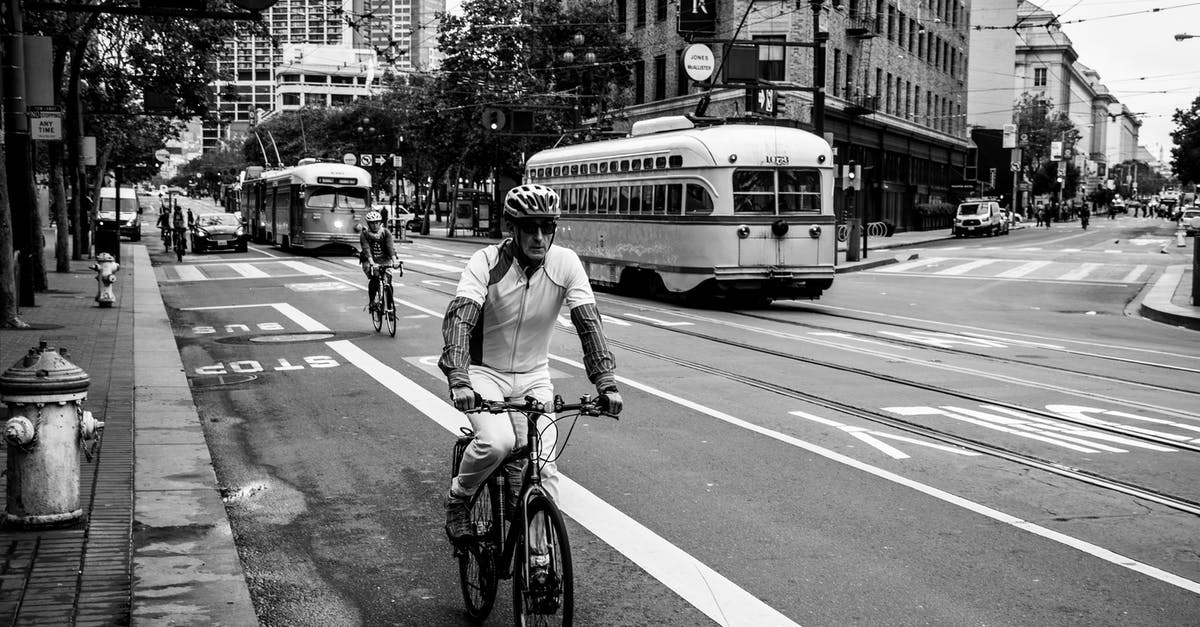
{"type": "Point", "coordinates": [341, 197]}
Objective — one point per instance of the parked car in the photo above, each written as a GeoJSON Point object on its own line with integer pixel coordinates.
{"type": "Point", "coordinates": [1190, 221]}
{"type": "Point", "coordinates": [218, 230]}
{"type": "Point", "coordinates": [398, 223]}
{"type": "Point", "coordinates": [414, 225]}
{"type": "Point", "coordinates": [980, 217]}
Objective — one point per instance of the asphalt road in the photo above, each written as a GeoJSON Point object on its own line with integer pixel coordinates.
{"type": "Point", "coordinates": [986, 435]}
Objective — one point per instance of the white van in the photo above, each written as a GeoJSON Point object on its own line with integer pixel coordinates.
{"type": "Point", "coordinates": [131, 211]}
{"type": "Point", "coordinates": [980, 217]}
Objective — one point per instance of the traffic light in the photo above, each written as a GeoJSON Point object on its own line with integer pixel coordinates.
{"type": "Point", "coordinates": [852, 176]}
{"type": "Point", "coordinates": [493, 119]}
{"type": "Point", "coordinates": [522, 121]}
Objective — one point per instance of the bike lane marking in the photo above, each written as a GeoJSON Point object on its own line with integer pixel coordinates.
{"type": "Point", "coordinates": [710, 592]}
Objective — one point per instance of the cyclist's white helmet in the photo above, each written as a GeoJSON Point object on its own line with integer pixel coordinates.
{"type": "Point", "coordinates": [531, 201]}
{"type": "Point", "coordinates": [374, 216]}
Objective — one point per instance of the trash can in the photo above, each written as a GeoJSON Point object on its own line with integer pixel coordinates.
{"type": "Point", "coordinates": [108, 239]}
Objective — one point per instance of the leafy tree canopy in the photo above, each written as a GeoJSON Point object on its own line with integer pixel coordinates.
{"type": "Point", "coordinates": [1185, 155]}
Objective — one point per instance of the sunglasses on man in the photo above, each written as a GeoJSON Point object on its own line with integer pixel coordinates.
{"type": "Point", "coordinates": [547, 227]}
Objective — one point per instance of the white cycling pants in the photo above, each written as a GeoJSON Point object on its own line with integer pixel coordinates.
{"type": "Point", "coordinates": [497, 434]}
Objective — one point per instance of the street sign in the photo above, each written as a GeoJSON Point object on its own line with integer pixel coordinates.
{"type": "Point", "coordinates": [397, 161]}
{"type": "Point", "coordinates": [1015, 166]}
{"type": "Point", "coordinates": [162, 155]}
{"type": "Point", "coordinates": [1056, 151]}
{"type": "Point", "coordinates": [1010, 136]}
{"type": "Point", "coordinates": [46, 128]}
{"type": "Point", "coordinates": [379, 160]}
{"type": "Point", "coordinates": [349, 159]}
{"type": "Point", "coordinates": [365, 159]}
{"type": "Point", "coordinates": [1062, 168]}
{"type": "Point", "coordinates": [766, 101]}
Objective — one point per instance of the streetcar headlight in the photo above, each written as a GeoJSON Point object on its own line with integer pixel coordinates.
{"type": "Point", "coordinates": [733, 158]}
{"type": "Point", "coordinates": [779, 228]}
{"type": "Point", "coordinates": [814, 231]}
{"type": "Point", "coordinates": [337, 224]}
{"type": "Point", "coordinates": [743, 231]}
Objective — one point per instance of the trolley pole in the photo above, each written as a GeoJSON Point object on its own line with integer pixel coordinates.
{"type": "Point", "coordinates": [819, 38]}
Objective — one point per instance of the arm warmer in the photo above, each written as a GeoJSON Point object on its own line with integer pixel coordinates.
{"type": "Point", "coordinates": [598, 361]}
{"type": "Point", "coordinates": [462, 316]}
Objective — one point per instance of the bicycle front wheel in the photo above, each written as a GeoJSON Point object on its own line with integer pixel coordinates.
{"type": "Point", "coordinates": [479, 555]}
{"type": "Point", "coordinates": [377, 315]}
{"type": "Point", "coordinates": [390, 315]}
{"type": "Point", "coordinates": [543, 594]}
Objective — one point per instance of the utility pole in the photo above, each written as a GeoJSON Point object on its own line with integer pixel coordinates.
{"type": "Point", "coordinates": [819, 38]}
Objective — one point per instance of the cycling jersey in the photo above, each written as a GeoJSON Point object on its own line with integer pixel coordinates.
{"type": "Point", "coordinates": [503, 316]}
{"type": "Point", "coordinates": [379, 247]}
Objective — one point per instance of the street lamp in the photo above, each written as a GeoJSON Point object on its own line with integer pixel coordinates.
{"type": "Point", "coordinates": [589, 58]}
{"type": "Point", "coordinates": [1182, 36]}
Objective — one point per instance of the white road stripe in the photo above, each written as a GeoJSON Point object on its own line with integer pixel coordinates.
{"type": "Point", "coordinates": [247, 270]}
{"type": "Point", "coordinates": [663, 323]}
{"type": "Point", "coordinates": [300, 266]}
{"type": "Point", "coordinates": [719, 598]}
{"type": "Point", "coordinates": [966, 267]}
{"type": "Point", "coordinates": [1082, 271]}
{"type": "Point", "coordinates": [909, 265]}
{"type": "Point", "coordinates": [1023, 269]}
{"type": "Point", "coordinates": [1135, 273]}
{"type": "Point", "coordinates": [189, 273]}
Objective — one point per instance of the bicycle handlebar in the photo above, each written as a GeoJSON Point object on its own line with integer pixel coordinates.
{"type": "Point", "coordinates": [587, 406]}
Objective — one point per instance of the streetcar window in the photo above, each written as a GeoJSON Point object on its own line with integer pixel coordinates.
{"type": "Point", "coordinates": [675, 198]}
{"type": "Point", "coordinates": [612, 166]}
{"type": "Point", "coordinates": [647, 163]}
{"type": "Point", "coordinates": [635, 165]}
{"type": "Point", "coordinates": [660, 162]}
{"type": "Point", "coordinates": [754, 191]}
{"type": "Point", "coordinates": [541, 172]}
{"type": "Point", "coordinates": [799, 190]}
{"type": "Point", "coordinates": [556, 171]}
{"type": "Point", "coordinates": [648, 192]}
{"type": "Point", "coordinates": [625, 166]}
{"type": "Point", "coordinates": [635, 199]}
{"type": "Point", "coordinates": [612, 199]}
{"type": "Point", "coordinates": [604, 167]}
{"type": "Point", "coordinates": [575, 169]}
{"type": "Point", "coordinates": [592, 194]}
{"type": "Point", "coordinates": [572, 200]}
{"type": "Point", "coordinates": [594, 168]}
{"type": "Point", "coordinates": [623, 201]}
{"type": "Point", "coordinates": [699, 202]}
{"type": "Point", "coordinates": [675, 161]}
{"type": "Point", "coordinates": [602, 205]}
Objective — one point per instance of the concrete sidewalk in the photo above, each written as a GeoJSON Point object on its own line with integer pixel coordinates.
{"type": "Point", "coordinates": [154, 546]}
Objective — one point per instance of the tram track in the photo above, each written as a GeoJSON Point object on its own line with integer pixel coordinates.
{"type": "Point", "coordinates": [1094, 479]}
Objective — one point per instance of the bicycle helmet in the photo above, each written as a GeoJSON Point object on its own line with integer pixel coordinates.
{"type": "Point", "coordinates": [531, 201]}
{"type": "Point", "coordinates": [374, 216]}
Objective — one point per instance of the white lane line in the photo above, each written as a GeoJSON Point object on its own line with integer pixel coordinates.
{"type": "Point", "coordinates": [189, 273]}
{"type": "Point", "coordinates": [909, 265]}
{"type": "Point", "coordinates": [1023, 269]}
{"type": "Point", "coordinates": [300, 266]}
{"type": "Point", "coordinates": [1082, 271]}
{"type": "Point", "coordinates": [303, 320]}
{"type": "Point", "coordinates": [978, 508]}
{"type": "Point", "coordinates": [663, 323]}
{"type": "Point", "coordinates": [966, 267]}
{"type": "Point", "coordinates": [248, 271]}
{"type": "Point", "coordinates": [1135, 273]}
{"type": "Point", "coordinates": [719, 598]}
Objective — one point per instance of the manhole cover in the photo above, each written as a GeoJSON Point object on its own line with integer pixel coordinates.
{"type": "Point", "coordinates": [290, 337]}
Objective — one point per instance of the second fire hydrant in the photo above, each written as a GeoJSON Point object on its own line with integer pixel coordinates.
{"type": "Point", "coordinates": [46, 430]}
{"type": "Point", "coordinates": [106, 268]}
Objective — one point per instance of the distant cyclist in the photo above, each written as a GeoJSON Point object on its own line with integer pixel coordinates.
{"type": "Point", "coordinates": [180, 226]}
{"type": "Point", "coordinates": [378, 248]}
{"type": "Point", "coordinates": [497, 332]}
{"type": "Point", "coordinates": [164, 225]}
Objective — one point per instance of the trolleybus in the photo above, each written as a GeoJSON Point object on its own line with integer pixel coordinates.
{"type": "Point", "coordinates": [309, 206]}
{"type": "Point", "coordinates": [726, 209]}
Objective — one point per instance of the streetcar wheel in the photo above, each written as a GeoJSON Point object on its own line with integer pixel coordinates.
{"type": "Point", "coordinates": [478, 556]}
{"type": "Point", "coordinates": [545, 597]}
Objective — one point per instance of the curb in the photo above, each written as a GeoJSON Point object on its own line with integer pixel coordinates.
{"type": "Point", "coordinates": [186, 569]}
{"type": "Point", "coordinates": [1157, 304]}
{"type": "Point", "coordinates": [875, 263]}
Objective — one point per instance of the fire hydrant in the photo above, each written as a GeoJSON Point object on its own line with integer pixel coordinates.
{"type": "Point", "coordinates": [106, 268]}
{"type": "Point", "coordinates": [46, 430]}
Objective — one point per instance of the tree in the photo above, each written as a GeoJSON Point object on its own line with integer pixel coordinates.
{"type": "Point", "coordinates": [1040, 124]}
{"type": "Point", "coordinates": [1185, 155]}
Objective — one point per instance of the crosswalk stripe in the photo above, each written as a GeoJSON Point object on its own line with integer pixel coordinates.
{"type": "Point", "coordinates": [909, 265]}
{"type": "Point", "coordinates": [300, 266]}
{"type": "Point", "coordinates": [248, 271]}
{"type": "Point", "coordinates": [966, 267]}
{"type": "Point", "coordinates": [1082, 271]}
{"type": "Point", "coordinates": [1023, 269]}
{"type": "Point", "coordinates": [1134, 274]}
{"type": "Point", "coordinates": [189, 273]}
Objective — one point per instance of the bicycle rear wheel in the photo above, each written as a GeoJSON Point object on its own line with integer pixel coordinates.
{"type": "Point", "coordinates": [544, 598]}
{"type": "Point", "coordinates": [391, 310]}
{"type": "Point", "coordinates": [479, 555]}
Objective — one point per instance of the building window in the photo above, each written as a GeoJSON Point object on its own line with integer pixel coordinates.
{"type": "Point", "coordinates": [771, 58]}
{"type": "Point", "coordinates": [1039, 77]}
{"type": "Point", "coordinates": [639, 80]}
{"type": "Point", "coordinates": [622, 17]}
{"type": "Point", "coordinates": [660, 10]}
{"type": "Point", "coordinates": [681, 77]}
{"type": "Point", "coordinates": [639, 20]}
{"type": "Point", "coordinates": [837, 72]}
{"type": "Point", "coordinates": [660, 77]}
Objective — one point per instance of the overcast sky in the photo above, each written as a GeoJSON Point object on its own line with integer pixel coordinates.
{"type": "Point", "coordinates": [1134, 50]}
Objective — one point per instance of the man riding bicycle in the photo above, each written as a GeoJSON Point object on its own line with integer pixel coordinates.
{"type": "Point", "coordinates": [497, 332]}
{"type": "Point", "coordinates": [164, 225]}
{"type": "Point", "coordinates": [378, 248]}
{"type": "Point", "coordinates": [180, 226]}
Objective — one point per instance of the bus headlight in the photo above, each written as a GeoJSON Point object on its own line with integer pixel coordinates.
{"type": "Point", "coordinates": [743, 231]}
{"type": "Point", "coordinates": [779, 228]}
{"type": "Point", "coordinates": [814, 231]}
{"type": "Point", "coordinates": [337, 224]}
